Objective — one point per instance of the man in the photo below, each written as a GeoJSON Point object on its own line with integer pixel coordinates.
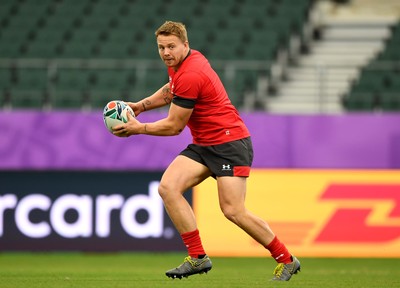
{"type": "Point", "coordinates": [221, 148]}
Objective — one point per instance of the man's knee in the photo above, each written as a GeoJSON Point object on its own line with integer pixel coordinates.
{"type": "Point", "coordinates": [168, 190]}
{"type": "Point", "coordinates": [232, 213]}
{"type": "Point", "coordinates": [163, 190]}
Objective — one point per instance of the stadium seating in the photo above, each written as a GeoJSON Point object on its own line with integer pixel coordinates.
{"type": "Point", "coordinates": [54, 30]}
{"type": "Point", "coordinates": [379, 81]}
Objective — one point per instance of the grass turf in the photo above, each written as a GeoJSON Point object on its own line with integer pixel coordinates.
{"type": "Point", "coordinates": [147, 270]}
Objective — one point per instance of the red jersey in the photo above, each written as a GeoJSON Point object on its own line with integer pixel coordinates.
{"type": "Point", "coordinates": [214, 119]}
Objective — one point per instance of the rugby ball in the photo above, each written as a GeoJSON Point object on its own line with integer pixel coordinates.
{"type": "Point", "coordinates": [115, 113]}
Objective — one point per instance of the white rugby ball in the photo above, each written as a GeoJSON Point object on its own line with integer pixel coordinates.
{"type": "Point", "coordinates": [115, 113]}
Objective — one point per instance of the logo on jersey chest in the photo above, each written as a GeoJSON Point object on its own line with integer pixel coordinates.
{"type": "Point", "coordinates": [171, 84]}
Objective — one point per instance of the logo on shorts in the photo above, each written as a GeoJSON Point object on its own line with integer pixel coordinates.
{"type": "Point", "coordinates": [226, 167]}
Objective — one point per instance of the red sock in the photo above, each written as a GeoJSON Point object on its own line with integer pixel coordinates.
{"type": "Point", "coordinates": [279, 251]}
{"type": "Point", "coordinates": [193, 243]}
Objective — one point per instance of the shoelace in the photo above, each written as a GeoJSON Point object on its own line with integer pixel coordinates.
{"type": "Point", "coordinates": [189, 259]}
{"type": "Point", "coordinates": [279, 269]}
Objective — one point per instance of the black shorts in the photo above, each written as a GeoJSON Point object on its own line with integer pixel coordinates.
{"type": "Point", "coordinates": [228, 159]}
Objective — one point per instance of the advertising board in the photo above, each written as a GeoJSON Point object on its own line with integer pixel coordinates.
{"type": "Point", "coordinates": [85, 211]}
{"type": "Point", "coordinates": [330, 213]}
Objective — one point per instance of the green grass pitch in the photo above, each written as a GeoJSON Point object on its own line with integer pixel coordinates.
{"type": "Point", "coordinates": [121, 270]}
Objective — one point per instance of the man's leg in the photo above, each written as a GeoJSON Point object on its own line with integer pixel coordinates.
{"type": "Point", "coordinates": [182, 174]}
{"type": "Point", "coordinates": [232, 193]}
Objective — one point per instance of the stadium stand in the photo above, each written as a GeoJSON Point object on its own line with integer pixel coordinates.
{"type": "Point", "coordinates": [86, 52]}
{"type": "Point", "coordinates": [343, 41]}
{"type": "Point", "coordinates": [378, 86]}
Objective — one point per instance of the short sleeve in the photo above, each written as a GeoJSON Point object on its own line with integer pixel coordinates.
{"type": "Point", "coordinates": [187, 85]}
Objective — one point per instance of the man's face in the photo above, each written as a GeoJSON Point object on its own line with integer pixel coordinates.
{"type": "Point", "coordinates": [172, 50]}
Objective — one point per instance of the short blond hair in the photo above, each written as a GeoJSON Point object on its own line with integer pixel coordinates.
{"type": "Point", "coordinates": [173, 28]}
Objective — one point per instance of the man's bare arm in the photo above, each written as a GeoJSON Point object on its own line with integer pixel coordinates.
{"type": "Point", "coordinates": [161, 97]}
